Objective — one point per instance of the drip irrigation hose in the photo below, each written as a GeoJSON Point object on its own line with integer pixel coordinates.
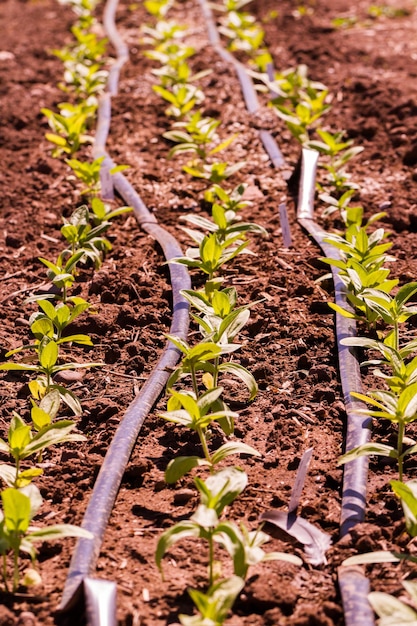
{"type": "Point", "coordinates": [248, 90]}
{"type": "Point", "coordinates": [354, 586]}
{"type": "Point", "coordinates": [110, 476]}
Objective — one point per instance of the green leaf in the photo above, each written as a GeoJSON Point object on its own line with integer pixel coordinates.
{"type": "Point", "coordinates": [49, 355]}
{"type": "Point", "coordinates": [204, 351]}
{"type": "Point", "coordinates": [367, 449]}
{"type": "Point", "coordinates": [243, 374]}
{"type": "Point", "coordinates": [16, 508]}
{"type": "Point", "coordinates": [40, 418]}
{"type": "Point", "coordinates": [179, 531]}
{"type": "Point", "coordinates": [407, 403]}
{"type": "Point", "coordinates": [19, 436]}
{"type": "Point", "coordinates": [232, 447]}
{"type": "Point", "coordinates": [7, 473]}
{"type": "Point", "coordinates": [58, 531]}
{"type": "Point", "coordinates": [51, 402]}
{"type": "Point", "coordinates": [84, 340]}
{"type": "Point", "coordinates": [405, 293]}
{"type": "Point", "coordinates": [207, 399]}
{"type": "Point", "coordinates": [69, 398]}
{"type": "Point", "coordinates": [407, 493]}
{"type": "Point", "coordinates": [392, 612]}
{"type": "Point", "coordinates": [341, 310]}
{"type": "Point", "coordinates": [379, 556]}
{"type": "Point", "coordinates": [181, 465]}
{"type": "Point", "coordinates": [55, 433]}
{"type": "Point", "coordinates": [220, 489]}
{"type": "Point", "coordinates": [42, 328]}
{"type": "Point", "coordinates": [18, 367]}
{"type": "Point", "coordinates": [205, 516]}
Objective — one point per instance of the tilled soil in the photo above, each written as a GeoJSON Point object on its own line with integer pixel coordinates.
{"type": "Point", "coordinates": [289, 343]}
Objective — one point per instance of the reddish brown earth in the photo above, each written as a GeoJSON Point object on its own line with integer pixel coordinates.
{"type": "Point", "coordinates": [288, 345]}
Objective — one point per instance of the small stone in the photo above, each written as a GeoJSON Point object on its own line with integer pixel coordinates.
{"type": "Point", "coordinates": [183, 496]}
{"type": "Point", "coordinates": [69, 376]}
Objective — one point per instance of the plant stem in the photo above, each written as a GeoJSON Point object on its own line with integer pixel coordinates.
{"type": "Point", "coordinates": [204, 443]}
{"type": "Point", "coordinates": [216, 371]}
{"type": "Point", "coordinates": [396, 335]}
{"type": "Point", "coordinates": [4, 573]}
{"type": "Point", "coordinates": [194, 379]}
{"type": "Point", "coordinates": [211, 559]}
{"type": "Point", "coordinates": [17, 472]}
{"type": "Point", "coordinates": [401, 432]}
{"type": "Point", "coordinates": [15, 569]}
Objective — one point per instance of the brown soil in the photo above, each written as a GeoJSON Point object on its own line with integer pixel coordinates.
{"type": "Point", "coordinates": [288, 345]}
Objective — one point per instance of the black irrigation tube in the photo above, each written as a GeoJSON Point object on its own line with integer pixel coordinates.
{"type": "Point", "coordinates": [354, 586]}
{"type": "Point", "coordinates": [248, 90]}
{"type": "Point", "coordinates": [101, 610]}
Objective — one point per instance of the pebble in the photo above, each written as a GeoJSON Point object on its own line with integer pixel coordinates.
{"type": "Point", "coordinates": [69, 376]}
{"type": "Point", "coordinates": [183, 496]}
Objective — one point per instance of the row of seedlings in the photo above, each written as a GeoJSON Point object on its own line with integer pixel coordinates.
{"type": "Point", "coordinates": [376, 301]}
{"type": "Point", "coordinates": [196, 397]}
{"type": "Point", "coordinates": [58, 308]}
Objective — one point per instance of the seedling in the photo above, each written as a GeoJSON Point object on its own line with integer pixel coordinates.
{"type": "Point", "coordinates": [302, 118]}
{"type": "Point", "coordinates": [170, 53]}
{"type": "Point", "coordinates": [101, 212]}
{"type": "Point", "coordinates": [350, 215]}
{"type": "Point", "coordinates": [164, 32]}
{"type": "Point", "coordinates": [84, 10]}
{"type": "Point", "coordinates": [82, 236]}
{"type": "Point", "coordinates": [182, 98]}
{"type": "Point", "coordinates": [297, 100]}
{"type": "Point", "coordinates": [383, 10]}
{"type": "Point", "coordinates": [214, 172]}
{"type": "Point", "coordinates": [211, 254]}
{"type": "Point", "coordinates": [62, 275]}
{"type": "Point", "coordinates": [69, 126]}
{"type": "Point", "coordinates": [88, 173]}
{"type": "Point", "coordinates": [216, 492]}
{"type": "Point", "coordinates": [242, 32]}
{"type": "Point", "coordinates": [158, 8]}
{"type": "Point", "coordinates": [214, 605]}
{"type": "Point", "coordinates": [87, 49]}
{"type": "Point", "coordinates": [16, 533]}
{"type": "Point", "coordinates": [361, 262]}
{"type": "Point", "coordinates": [229, 200]}
{"type": "Point", "coordinates": [26, 440]}
{"type": "Point", "coordinates": [344, 22]}
{"type": "Point", "coordinates": [198, 133]}
{"type": "Point", "coordinates": [225, 223]}
{"type": "Point", "coordinates": [291, 85]}
{"type": "Point", "coordinates": [391, 610]}
{"type": "Point", "coordinates": [52, 320]}
{"type": "Point", "coordinates": [198, 415]}
{"type": "Point", "coordinates": [339, 152]}
{"type": "Point", "coordinates": [84, 80]}
{"type": "Point", "coordinates": [46, 353]}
